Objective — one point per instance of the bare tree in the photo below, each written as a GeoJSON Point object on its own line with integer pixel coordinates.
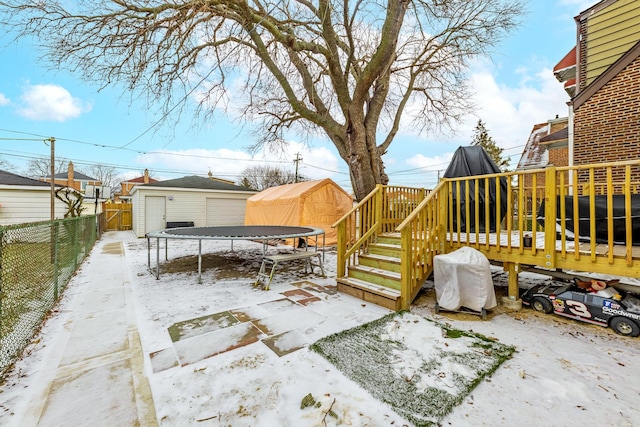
{"type": "Point", "coordinates": [353, 71]}
{"type": "Point", "coordinates": [107, 175]}
{"type": "Point", "coordinates": [6, 165]}
{"type": "Point", "coordinates": [41, 167]}
{"type": "Point", "coordinates": [262, 177]}
{"type": "Point", "coordinates": [72, 199]}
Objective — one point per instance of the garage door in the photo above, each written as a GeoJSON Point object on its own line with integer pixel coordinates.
{"type": "Point", "coordinates": [225, 211]}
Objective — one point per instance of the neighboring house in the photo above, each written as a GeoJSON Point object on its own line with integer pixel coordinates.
{"type": "Point", "coordinates": [602, 76]}
{"type": "Point", "coordinates": [547, 145]}
{"type": "Point", "coordinates": [24, 200]}
{"type": "Point", "coordinates": [219, 179]}
{"type": "Point", "coordinates": [124, 195]}
{"type": "Point", "coordinates": [72, 179]}
{"type": "Point", "coordinates": [203, 201]}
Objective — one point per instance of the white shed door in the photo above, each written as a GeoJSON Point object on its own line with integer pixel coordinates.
{"type": "Point", "coordinates": [225, 211]}
{"type": "Point", "coordinates": [154, 213]}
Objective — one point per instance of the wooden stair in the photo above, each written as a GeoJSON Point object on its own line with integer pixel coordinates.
{"type": "Point", "coordinates": [376, 276]}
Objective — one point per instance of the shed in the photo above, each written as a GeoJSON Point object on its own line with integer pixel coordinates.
{"type": "Point", "coordinates": [312, 204]}
{"type": "Point", "coordinates": [191, 199]}
{"type": "Point", "coordinates": [24, 200]}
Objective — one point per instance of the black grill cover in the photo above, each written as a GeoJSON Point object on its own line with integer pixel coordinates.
{"type": "Point", "coordinates": [474, 161]}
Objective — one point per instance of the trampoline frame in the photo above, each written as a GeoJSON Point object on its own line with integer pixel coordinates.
{"type": "Point", "coordinates": [208, 233]}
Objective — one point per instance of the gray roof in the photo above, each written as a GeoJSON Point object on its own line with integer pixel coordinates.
{"type": "Point", "coordinates": [8, 178]}
{"type": "Point", "coordinates": [78, 176]}
{"type": "Point", "coordinates": [196, 182]}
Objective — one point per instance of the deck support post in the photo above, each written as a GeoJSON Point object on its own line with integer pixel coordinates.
{"type": "Point", "coordinates": [513, 268]}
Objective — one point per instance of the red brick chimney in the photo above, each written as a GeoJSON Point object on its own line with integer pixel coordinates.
{"type": "Point", "coordinates": [70, 175]}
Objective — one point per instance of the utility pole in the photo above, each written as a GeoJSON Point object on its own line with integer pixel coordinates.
{"type": "Point", "coordinates": [296, 161]}
{"type": "Point", "coordinates": [52, 141]}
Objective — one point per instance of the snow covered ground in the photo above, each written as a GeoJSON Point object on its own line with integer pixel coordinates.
{"type": "Point", "coordinates": [563, 372]}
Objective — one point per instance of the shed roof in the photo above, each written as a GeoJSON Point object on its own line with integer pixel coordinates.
{"type": "Point", "coordinates": [78, 176]}
{"type": "Point", "coordinates": [195, 182]}
{"type": "Point", "coordinates": [8, 178]}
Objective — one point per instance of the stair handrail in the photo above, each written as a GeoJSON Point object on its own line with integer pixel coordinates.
{"type": "Point", "coordinates": [362, 202]}
{"type": "Point", "coordinates": [416, 261]}
{"type": "Point", "coordinates": [405, 223]}
{"type": "Point", "coordinates": [344, 252]}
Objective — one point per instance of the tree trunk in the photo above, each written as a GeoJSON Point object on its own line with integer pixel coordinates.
{"type": "Point", "coordinates": [366, 168]}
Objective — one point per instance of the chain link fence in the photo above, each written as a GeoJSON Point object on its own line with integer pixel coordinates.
{"type": "Point", "coordinates": [37, 261]}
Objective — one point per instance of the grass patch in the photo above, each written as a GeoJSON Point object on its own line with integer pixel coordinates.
{"type": "Point", "coordinates": [422, 369]}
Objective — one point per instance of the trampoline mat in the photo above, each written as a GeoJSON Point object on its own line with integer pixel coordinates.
{"type": "Point", "coordinates": [243, 231]}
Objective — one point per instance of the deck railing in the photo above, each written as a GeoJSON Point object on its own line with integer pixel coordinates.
{"type": "Point", "coordinates": [380, 212]}
{"type": "Point", "coordinates": [581, 218]}
{"type": "Point", "coordinates": [421, 234]}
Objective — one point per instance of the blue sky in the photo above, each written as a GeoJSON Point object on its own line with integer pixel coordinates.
{"type": "Point", "coordinates": [514, 89]}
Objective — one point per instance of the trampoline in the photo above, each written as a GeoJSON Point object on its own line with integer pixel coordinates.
{"type": "Point", "coordinates": [239, 232]}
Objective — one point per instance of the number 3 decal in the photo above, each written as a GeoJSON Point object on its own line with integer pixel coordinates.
{"type": "Point", "coordinates": [578, 308]}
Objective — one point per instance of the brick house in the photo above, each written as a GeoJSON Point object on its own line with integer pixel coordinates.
{"type": "Point", "coordinates": [72, 179]}
{"type": "Point", "coordinates": [124, 195]}
{"type": "Point", "coordinates": [602, 75]}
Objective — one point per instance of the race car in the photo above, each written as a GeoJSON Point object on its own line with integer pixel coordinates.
{"type": "Point", "coordinates": [608, 307]}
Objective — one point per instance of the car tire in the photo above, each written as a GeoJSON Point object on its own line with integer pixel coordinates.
{"type": "Point", "coordinates": [625, 326]}
{"type": "Point", "coordinates": [541, 304]}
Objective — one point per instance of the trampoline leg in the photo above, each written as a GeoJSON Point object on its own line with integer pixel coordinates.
{"type": "Point", "coordinates": [199, 261]}
{"type": "Point", "coordinates": [157, 258]}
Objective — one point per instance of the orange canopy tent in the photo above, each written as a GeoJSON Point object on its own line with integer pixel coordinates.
{"type": "Point", "coordinates": [308, 204]}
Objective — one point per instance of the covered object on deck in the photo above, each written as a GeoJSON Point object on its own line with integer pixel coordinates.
{"type": "Point", "coordinates": [474, 161]}
{"type": "Point", "coordinates": [311, 204]}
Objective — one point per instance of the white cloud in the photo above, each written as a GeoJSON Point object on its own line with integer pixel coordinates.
{"type": "Point", "coordinates": [4, 100]}
{"type": "Point", "coordinates": [508, 111]}
{"type": "Point", "coordinates": [50, 103]}
{"type": "Point", "coordinates": [511, 112]}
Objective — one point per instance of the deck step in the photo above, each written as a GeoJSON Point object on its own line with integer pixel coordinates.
{"type": "Point", "coordinates": [379, 295]}
{"type": "Point", "coordinates": [385, 249]}
{"type": "Point", "coordinates": [376, 276]}
{"type": "Point", "coordinates": [383, 262]}
{"type": "Point", "coordinates": [389, 238]}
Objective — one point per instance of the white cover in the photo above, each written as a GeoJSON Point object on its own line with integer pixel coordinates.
{"type": "Point", "coordinates": [463, 279]}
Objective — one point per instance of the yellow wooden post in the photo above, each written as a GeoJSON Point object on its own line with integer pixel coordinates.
{"type": "Point", "coordinates": [405, 269]}
{"type": "Point", "coordinates": [378, 207]}
{"type": "Point", "coordinates": [341, 248]}
{"type": "Point", "coordinates": [444, 198]}
{"type": "Point", "coordinates": [550, 202]}
{"type": "Point", "coordinates": [513, 269]}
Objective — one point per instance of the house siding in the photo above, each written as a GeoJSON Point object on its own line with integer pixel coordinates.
{"type": "Point", "coordinates": [182, 205]}
{"type": "Point", "coordinates": [21, 205]}
{"type": "Point", "coordinates": [607, 124]}
{"type": "Point", "coordinates": [607, 35]}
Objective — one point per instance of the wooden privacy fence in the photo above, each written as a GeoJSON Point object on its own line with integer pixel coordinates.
{"type": "Point", "coordinates": [118, 216]}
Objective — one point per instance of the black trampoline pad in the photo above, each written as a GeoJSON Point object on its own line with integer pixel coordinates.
{"type": "Point", "coordinates": [239, 232]}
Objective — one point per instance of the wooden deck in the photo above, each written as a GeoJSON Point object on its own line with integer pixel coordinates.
{"type": "Point", "coordinates": [427, 223]}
